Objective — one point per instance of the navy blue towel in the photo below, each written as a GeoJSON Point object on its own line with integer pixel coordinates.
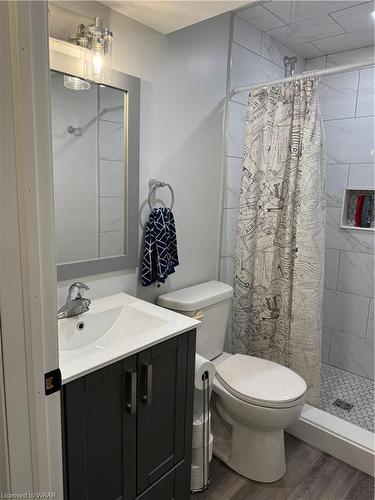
{"type": "Point", "coordinates": [160, 255]}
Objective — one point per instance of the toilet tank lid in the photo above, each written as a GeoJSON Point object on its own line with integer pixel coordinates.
{"type": "Point", "coordinates": [197, 296]}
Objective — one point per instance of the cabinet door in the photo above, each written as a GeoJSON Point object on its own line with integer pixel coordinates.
{"type": "Point", "coordinates": [100, 435]}
{"type": "Point", "coordinates": [164, 408]}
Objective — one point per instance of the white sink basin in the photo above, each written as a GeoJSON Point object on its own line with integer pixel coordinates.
{"type": "Point", "coordinates": [115, 327]}
{"type": "Point", "coordinates": [94, 330]}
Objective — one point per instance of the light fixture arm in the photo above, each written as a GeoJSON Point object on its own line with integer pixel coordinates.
{"type": "Point", "coordinates": [91, 35]}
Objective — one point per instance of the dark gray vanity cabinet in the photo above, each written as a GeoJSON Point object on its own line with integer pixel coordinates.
{"type": "Point", "coordinates": [127, 427]}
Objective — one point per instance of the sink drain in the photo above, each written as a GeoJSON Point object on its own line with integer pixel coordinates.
{"type": "Point", "coordinates": [80, 325]}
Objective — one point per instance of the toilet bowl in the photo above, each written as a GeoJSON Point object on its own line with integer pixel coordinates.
{"type": "Point", "coordinates": [253, 399]}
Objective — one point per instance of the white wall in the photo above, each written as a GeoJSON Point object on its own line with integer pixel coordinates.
{"type": "Point", "coordinates": [255, 57]}
{"type": "Point", "coordinates": [347, 104]}
{"type": "Point", "coordinates": [182, 140]}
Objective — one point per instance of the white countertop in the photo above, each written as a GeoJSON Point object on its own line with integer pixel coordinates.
{"type": "Point", "coordinates": [134, 325]}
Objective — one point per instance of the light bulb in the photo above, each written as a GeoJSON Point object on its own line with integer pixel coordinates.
{"type": "Point", "coordinates": [97, 61]}
{"type": "Point", "coordinates": [74, 83]}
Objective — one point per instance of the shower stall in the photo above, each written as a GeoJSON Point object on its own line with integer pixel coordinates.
{"type": "Point", "coordinates": [345, 410]}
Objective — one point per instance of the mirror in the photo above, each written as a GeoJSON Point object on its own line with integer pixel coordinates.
{"type": "Point", "coordinates": [95, 169]}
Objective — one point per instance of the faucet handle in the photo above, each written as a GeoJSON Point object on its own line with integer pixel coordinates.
{"type": "Point", "coordinates": [77, 290]}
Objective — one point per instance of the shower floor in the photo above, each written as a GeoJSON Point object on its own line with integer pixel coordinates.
{"type": "Point", "coordinates": [353, 389]}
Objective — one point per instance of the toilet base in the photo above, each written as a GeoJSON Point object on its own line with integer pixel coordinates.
{"type": "Point", "coordinates": [256, 454]}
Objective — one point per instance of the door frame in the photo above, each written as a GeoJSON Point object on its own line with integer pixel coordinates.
{"type": "Point", "coordinates": [27, 259]}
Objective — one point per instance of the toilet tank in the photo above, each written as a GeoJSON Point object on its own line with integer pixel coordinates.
{"type": "Point", "coordinates": [208, 302]}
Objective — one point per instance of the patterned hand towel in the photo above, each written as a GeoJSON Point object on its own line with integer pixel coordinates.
{"type": "Point", "coordinates": [160, 255]}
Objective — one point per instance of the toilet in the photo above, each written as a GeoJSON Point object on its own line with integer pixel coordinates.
{"type": "Point", "coordinates": [253, 399]}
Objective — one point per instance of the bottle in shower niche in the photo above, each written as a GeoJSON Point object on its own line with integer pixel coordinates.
{"type": "Point", "coordinates": [367, 208]}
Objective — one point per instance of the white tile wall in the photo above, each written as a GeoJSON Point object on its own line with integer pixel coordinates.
{"type": "Point", "coordinates": [362, 176]}
{"type": "Point", "coordinates": [275, 52]}
{"type": "Point", "coordinates": [349, 275]}
{"type": "Point", "coordinates": [111, 141]}
{"type": "Point", "coordinates": [370, 323]}
{"type": "Point", "coordinates": [356, 273]}
{"type": "Point", "coordinates": [111, 104]}
{"type": "Point", "coordinates": [350, 56]}
{"type": "Point", "coordinates": [307, 50]}
{"type": "Point", "coordinates": [247, 35]}
{"type": "Point", "coordinates": [346, 239]}
{"type": "Point", "coordinates": [236, 129]}
{"type": "Point", "coordinates": [112, 244]}
{"type": "Point", "coordinates": [291, 11]}
{"type": "Point", "coordinates": [352, 354]}
{"type": "Point", "coordinates": [326, 341]}
{"type": "Point", "coordinates": [316, 63]}
{"type": "Point", "coordinates": [345, 41]}
{"type": "Point", "coordinates": [111, 178]}
{"type": "Point", "coordinates": [248, 67]}
{"type": "Point", "coordinates": [356, 18]}
{"type": "Point", "coordinates": [331, 268]}
{"type": "Point", "coordinates": [345, 312]}
{"type": "Point", "coordinates": [305, 31]}
{"type": "Point", "coordinates": [111, 214]}
{"type": "Point", "coordinates": [338, 95]}
{"type": "Point", "coordinates": [350, 140]}
{"type": "Point", "coordinates": [261, 18]}
{"type": "Point", "coordinates": [336, 182]}
{"type": "Point", "coordinates": [365, 105]}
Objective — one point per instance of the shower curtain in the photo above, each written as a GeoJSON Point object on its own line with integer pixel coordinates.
{"type": "Point", "coordinates": [278, 265]}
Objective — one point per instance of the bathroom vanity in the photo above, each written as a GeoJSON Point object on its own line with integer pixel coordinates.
{"type": "Point", "coordinates": [127, 425]}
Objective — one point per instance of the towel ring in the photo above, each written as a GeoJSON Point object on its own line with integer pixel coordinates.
{"type": "Point", "coordinates": [154, 185]}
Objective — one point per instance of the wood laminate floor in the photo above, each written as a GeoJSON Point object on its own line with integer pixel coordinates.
{"type": "Point", "coordinates": [311, 475]}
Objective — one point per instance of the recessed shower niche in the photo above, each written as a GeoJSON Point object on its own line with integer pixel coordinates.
{"type": "Point", "coordinates": [358, 209]}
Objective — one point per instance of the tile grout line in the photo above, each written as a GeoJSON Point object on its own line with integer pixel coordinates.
{"type": "Point", "coordinates": [348, 118]}
{"type": "Point", "coordinates": [350, 335]}
{"type": "Point", "coordinates": [368, 317]}
{"type": "Point", "coordinates": [260, 55]}
{"type": "Point", "coordinates": [357, 96]}
{"type": "Point", "coordinates": [346, 292]}
{"type": "Point", "coordinates": [338, 271]}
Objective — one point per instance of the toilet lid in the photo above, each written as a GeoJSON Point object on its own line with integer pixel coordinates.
{"type": "Point", "coordinates": [260, 381]}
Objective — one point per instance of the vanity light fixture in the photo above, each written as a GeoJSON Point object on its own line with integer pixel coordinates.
{"type": "Point", "coordinates": [74, 83]}
{"type": "Point", "coordinates": [97, 40]}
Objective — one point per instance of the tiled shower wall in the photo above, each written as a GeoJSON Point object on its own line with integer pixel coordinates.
{"type": "Point", "coordinates": [348, 340]}
{"type": "Point", "coordinates": [255, 57]}
{"type": "Point", "coordinates": [347, 104]}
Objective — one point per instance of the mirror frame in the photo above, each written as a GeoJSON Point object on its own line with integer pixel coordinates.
{"type": "Point", "coordinates": [68, 59]}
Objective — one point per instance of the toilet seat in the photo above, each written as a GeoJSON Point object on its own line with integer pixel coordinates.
{"type": "Point", "coordinates": [260, 382]}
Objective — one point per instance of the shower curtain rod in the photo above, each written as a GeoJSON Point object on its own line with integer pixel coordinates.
{"type": "Point", "coordinates": [305, 74]}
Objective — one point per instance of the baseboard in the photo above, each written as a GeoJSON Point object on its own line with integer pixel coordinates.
{"type": "Point", "coordinates": [335, 436]}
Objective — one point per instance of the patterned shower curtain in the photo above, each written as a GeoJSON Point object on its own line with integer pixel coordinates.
{"type": "Point", "coordinates": [278, 265]}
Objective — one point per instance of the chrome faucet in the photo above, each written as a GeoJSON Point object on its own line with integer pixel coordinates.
{"type": "Point", "coordinates": [75, 302]}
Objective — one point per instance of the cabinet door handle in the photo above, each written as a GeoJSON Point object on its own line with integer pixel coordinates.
{"type": "Point", "coordinates": [131, 405]}
{"type": "Point", "coordinates": [147, 397]}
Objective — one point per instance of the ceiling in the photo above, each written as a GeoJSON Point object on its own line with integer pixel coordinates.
{"type": "Point", "coordinates": [314, 28]}
{"type": "Point", "coordinates": [168, 16]}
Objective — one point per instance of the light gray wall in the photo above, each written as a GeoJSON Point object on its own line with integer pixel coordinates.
{"type": "Point", "coordinates": [347, 104]}
{"type": "Point", "coordinates": [255, 57]}
{"type": "Point", "coordinates": [183, 89]}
